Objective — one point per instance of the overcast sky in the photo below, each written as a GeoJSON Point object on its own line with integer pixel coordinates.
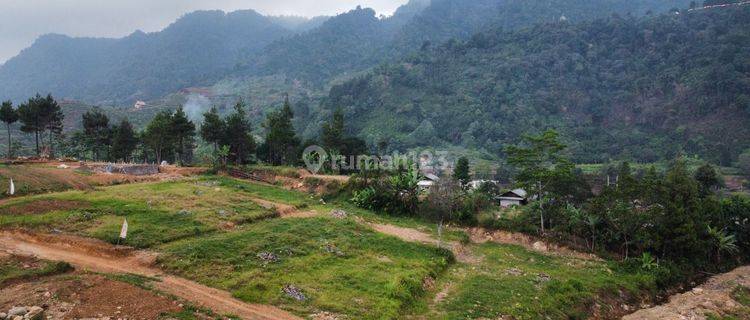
{"type": "Point", "coordinates": [22, 21]}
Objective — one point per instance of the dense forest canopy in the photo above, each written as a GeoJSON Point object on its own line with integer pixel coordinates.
{"type": "Point", "coordinates": [204, 47]}
{"type": "Point", "coordinates": [642, 88]}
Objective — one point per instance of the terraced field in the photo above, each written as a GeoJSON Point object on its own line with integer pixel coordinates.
{"type": "Point", "coordinates": [246, 239]}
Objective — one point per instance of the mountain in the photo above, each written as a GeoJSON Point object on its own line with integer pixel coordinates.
{"type": "Point", "coordinates": [199, 48]}
{"type": "Point", "coordinates": [298, 23]}
{"type": "Point", "coordinates": [358, 40]}
{"type": "Point", "coordinates": [204, 47]}
{"type": "Point", "coordinates": [622, 87]}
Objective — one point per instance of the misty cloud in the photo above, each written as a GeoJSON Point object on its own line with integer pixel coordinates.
{"type": "Point", "coordinates": [22, 21]}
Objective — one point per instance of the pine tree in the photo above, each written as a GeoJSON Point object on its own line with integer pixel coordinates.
{"type": "Point", "coordinates": [9, 116]}
{"type": "Point", "coordinates": [213, 128]}
{"type": "Point", "coordinates": [183, 131]}
{"type": "Point", "coordinates": [239, 134]}
{"type": "Point", "coordinates": [281, 140]}
{"type": "Point", "coordinates": [158, 135]}
{"type": "Point", "coordinates": [124, 141]}
{"type": "Point", "coordinates": [97, 132]}
{"type": "Point", "coordinates": [333, 132]}
{"type": "Point", "coordinates": [461, 172]}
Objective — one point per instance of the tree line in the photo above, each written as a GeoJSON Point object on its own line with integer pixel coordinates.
{"type": "Point", "coordinates": [172, 136]}
{"type": "Point", "coordinates": [40, 116]}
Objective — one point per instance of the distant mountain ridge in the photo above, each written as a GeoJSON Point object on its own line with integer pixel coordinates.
{"type": "Point", "coordinates": [645, 89]}
{"type": "Point", "coordinates": [198, 49]}
{"type": "Point", "coordinates": [204, 47]}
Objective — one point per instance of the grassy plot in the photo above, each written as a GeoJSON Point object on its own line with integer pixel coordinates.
{"type": "Point", "coordinates": [513, 281]}
{"type": "Point", "coordinates": [268, 192]}
{"type": "Point", "coordinates": [156, 212]}
{"type": "Point", "coordinates": [18, 268]}
{"type": "Point", "coordinates": [310, 265]}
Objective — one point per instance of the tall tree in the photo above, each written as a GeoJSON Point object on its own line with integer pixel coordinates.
{"type": "Point", "coordinates": [183, 131]}
{"type": "Point", "coordinates": [31, 118]}
{"type": "Point", "coordinates": [41, 114]}
{"type": "Point", "coordinates": [213, 128]}
{"type": "Point", "coordinates": [97, 131]}
{"type": "Point", "coordinates": [708, 179]}
{"type": "Point", "coordinates": [239, 134]}
{"type": "Point", "coordinates": [333, 132]}
{"type": "Point", "coordinates": [124, 141]}
{"type": "Point", "coordinates": [9, 116]}
{"type": "Point", "coordinates": [53, 120]}
{"type": "Point", "coordinates": [158, 134]}
{"type": "Point", "coordinates": [281, 140]}
{"type": "Point", "coordinates": [461, 172]}
{"type": "Point", "coordinates": [540, 163]}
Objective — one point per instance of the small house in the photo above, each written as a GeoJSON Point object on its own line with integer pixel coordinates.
{"type": "Point", "coordinates": [428, 182]}
{"type": "Point", "coordinates": [517, 197]}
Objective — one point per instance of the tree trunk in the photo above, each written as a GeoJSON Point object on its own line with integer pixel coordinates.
{"type": "Point", "coordinates": [9, 142]}
{"type": "Point", "coordinates": [36, 135]}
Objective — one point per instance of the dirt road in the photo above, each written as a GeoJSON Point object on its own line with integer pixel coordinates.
{"type": "Point", "coordinates": [84, 257]}
{"type": "Point", "coordinates": [714, 297]}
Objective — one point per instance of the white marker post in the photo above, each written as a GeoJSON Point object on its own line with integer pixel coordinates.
{"type": "Point", "coordinates": [12, 189]}
{"type": "Point", "coordinates": [123, 231]}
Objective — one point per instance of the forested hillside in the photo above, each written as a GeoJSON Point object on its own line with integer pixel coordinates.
{"type": "Point", "coordinates": [358, 39]}
{"type": "Point", "coordinates": [204, 47]}
{"type": "Point", "coordinates": [198, 49]}
{"type": "Point", "coordinates": [643, 88]}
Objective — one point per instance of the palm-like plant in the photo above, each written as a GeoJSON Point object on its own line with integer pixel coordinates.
{"type": "Point", "coordinates": [723, 242]}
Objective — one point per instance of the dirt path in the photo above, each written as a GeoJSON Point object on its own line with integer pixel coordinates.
{"type": "Point", "coordinates": [480, 235]}
{"type": "Point", "coordinates": [462, 253]}
{"type": "Point", "coordinates": [715, 296]}
{"type": "Point", "coordinates": [84, 257]}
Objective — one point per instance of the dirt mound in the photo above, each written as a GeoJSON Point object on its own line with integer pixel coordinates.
{"type": "Point", "coordinates": [481, 235]}
{"type": "Point", "coordinates": [41, 206]}
{"type": "Point", "coordinates": [715, 297]}
{"type": "Point", "coordinates": [79, 296]}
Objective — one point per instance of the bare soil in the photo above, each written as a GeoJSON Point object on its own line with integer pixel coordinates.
{"type": "Point", "coordinates": [83, 295]}
{"type": "Point", "coordinates": [714, 297]}
{"type": "Point", "coordinates": [99, 258]}
{"type": "Point", "coordinates": [480, 235]}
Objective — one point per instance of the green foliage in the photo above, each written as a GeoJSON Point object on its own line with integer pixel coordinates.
{"type": "Point", "coordinates": [12, 269]}
{"type": "Point", "coordinates": [282, 144]}
{"type": "Point", "coordinates": [183, 131]}
{"type": "Point", "coordinates": [158, 135]}
{"type": "Point", "coordinates": [540, 165]}
{"type": "Point", "coordinates": [239, 136]}
{"type": "Point", "coordinates": [9, 116]}
{"type": "Point", "coordinates": [488, 91]}
{"type": "Point", "coordinates": [38, 115]}
{"type": "Point", "coordinates": [124, 141]}
{"type": "Point", "coordinates": [461, 172]}
{"type": "Point", "coordinates": [708, 179]}
{"type": "Point", "coordinates": [97, 132]}
{"type": "Point", "coordinates": [744, 162]}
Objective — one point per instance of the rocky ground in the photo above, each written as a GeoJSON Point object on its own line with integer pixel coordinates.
{"type": "Point", "coordinates": [725, 296]}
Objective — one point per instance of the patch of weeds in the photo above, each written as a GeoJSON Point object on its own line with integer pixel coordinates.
{"type": "Point", "coordinates": [17, 268]}
{"type": "Point", "coordinates": [742, 295]}
{"type": "Point", "coordinates": [140, 281]}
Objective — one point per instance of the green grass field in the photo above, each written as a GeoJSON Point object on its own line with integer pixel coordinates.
{"type": "Point", "coordinates": [511, 280]}
{"type": "Point", "coordinates": [339, 266]}
{"type": "Point", "coordinates": [156, 212]}
{"type": "Point", "coordinates": [208, 229]}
